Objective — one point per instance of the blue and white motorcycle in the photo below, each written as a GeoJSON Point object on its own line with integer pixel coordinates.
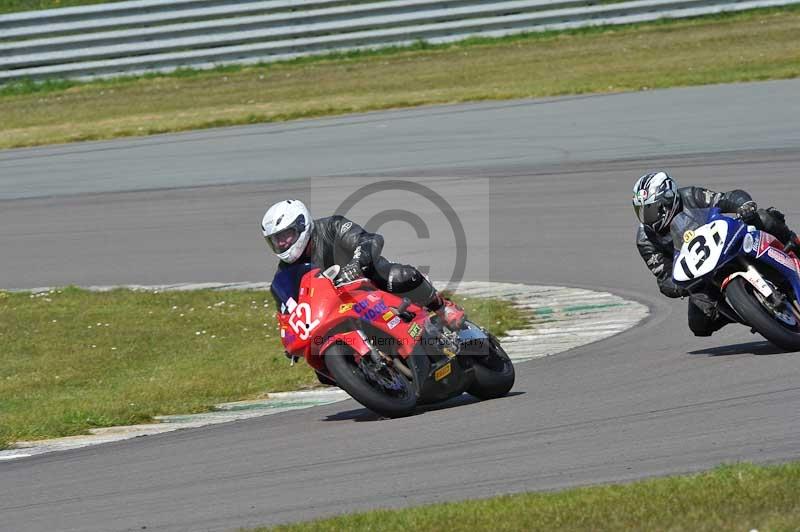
{"type": "Point", "coordinates": [759, 283]}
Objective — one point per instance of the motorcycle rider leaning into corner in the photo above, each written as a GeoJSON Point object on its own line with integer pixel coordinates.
{"type": "Point", "coordinates": [657, 200]}
{"type": "Point", "coordinates": [293, 235]}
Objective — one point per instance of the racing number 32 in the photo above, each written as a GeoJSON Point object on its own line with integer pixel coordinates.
{"type": "Point", "coordinates": [300, 321]}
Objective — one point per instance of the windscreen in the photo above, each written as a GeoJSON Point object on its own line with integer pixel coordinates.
{"type": "Point", "coordinates": [688, 220]}
{"type": "Point", "coordinates": [286, 284]}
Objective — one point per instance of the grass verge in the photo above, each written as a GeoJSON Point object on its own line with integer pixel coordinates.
{"type": "Point", "coordinates": [71, 360]}
{"type": "Point", "coordinates": [12, 6]}
{"type": "Point", "coordinates": [747, 46]}
{"type": "Point", "coordinates": [736, 497]}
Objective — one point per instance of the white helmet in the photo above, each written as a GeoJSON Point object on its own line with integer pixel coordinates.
{"type": "Point", "coordinates": [655, 200]}
{"type": "Point", "coordinates": [287, 228]}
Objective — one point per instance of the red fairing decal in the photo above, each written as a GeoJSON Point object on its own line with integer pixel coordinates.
{"type": "Point", "coordinates": [765, 243]}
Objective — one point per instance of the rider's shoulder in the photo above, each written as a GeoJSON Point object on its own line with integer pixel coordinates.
{"type": "Point", "coordinates": [326, 222]}
{"type": "Point", "coordinates": [333, 227]}
{"type": "Point", "coordinates": [334, 219]}
{"type": "Point", "coordinates": [690, 191]}
{"type": "Point", "coordinates": [697, 197]}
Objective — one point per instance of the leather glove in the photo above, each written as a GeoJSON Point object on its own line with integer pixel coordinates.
{"type": "Point", "coordinates": [777, 214]}
{"type": "Point", "coordinates": [748, 211]}
{"type": "Point", "coordinates": [671, 290]}
{"type": "Point", "coordinates": [349, 273]}
{"type": "Point", "coordinates": [363, 258]}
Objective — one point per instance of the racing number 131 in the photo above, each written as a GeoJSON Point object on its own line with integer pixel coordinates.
{"type": "Point", "coordinates": [700, 252]}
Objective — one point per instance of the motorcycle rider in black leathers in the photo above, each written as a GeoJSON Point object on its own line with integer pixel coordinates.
{"type": "Point", "coordinates": [657, 200]}
{"type": "Point", "coordinates": [293, 235]}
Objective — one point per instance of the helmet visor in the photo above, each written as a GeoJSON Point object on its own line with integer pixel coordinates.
{"type": "Point", "coordinates": [649, 214]}
{"type": "Point", "coordinates": [283, 240]}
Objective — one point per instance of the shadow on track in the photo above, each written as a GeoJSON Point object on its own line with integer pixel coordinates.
{"type": "Point", "coordinates": [360, 415]}
{"type": "Point", "coordinates": [751, 348]}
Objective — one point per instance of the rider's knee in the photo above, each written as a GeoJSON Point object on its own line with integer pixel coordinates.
{"type": "Point", "coordinates": [404, 278]}
{"type": "Point", "coordinates": [409, 282]}
{"type": "Point", "coordinates": [773, 221]}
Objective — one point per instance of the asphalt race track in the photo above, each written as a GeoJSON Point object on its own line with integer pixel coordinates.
{"type": "Point", "coordinates": [651, 401]}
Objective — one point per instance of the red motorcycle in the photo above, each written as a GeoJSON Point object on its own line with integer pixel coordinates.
{"type": "Point", "coordinates": [389, 354]}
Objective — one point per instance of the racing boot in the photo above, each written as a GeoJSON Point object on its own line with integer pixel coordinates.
{"type": "Point", "coordinates": [450, 314]}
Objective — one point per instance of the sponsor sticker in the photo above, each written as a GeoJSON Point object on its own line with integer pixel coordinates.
{"type": "Point", "coordinates": [414, 331]}
{"type": "Point", "coordinates": [688, 236]}
{"type": "Point", "coordinates": [782, 258]}
{"type": "Point", "coordinates": [394, 323]}
{"type": "Point", "coordinates": [287, 337]}
{"type": "Point", "coordinates": [367, 313]}
{"type": "Point", "coordinates": [449, 352]}
{"type": "Point", "coordinates": [346, 227]}
{"type": "Point", "coordinates": [345, 307]}
{"type": "Point", "coordinates": [443, 372]}
{"type": "Point", "coordinates": [388, 316]}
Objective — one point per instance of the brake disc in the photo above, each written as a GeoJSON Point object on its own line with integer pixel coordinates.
{"type": "Point", "coordinates": [784, 316]}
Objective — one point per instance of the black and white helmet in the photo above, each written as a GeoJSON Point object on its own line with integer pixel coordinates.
{"type": "Point", "coordinates": [655, 200]}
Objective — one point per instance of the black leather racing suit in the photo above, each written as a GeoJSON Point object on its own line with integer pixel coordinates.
{"type": "Point", "coordinates": [657, 250]}
{"type": "Point", "coordinates": [337, 240]}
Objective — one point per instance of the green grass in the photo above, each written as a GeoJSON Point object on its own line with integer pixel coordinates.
{"type": "Point", "coordinates": [11, 6]}
{"type": "Point", "coordinates": [71, 360]}
{"type": "Point", "coordinates": [747, 46]}
{"type": "Point", "coordinates": [738, 497]}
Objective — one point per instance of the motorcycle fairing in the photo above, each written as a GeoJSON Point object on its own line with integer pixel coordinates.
{"type": "Point", "coordinates": [707, 241]}
{"type": "Point", "coordinates": [769, 250]}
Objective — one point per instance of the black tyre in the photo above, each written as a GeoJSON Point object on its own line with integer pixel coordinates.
{"type": "Point", "coordinates": [494, 374]}
{"type": "Point", "coordinates": [754, 313]}
{"type": "Point", "coordinates": [384, 390]}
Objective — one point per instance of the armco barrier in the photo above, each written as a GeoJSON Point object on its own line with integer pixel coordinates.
{"type": "Point", "coordinates": [134, 37]}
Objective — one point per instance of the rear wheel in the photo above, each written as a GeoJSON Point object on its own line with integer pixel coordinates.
{"type": "Point", "coordinates": [494, 373]}
{"type": "Point", "coordinates": [379, 387]}
{"type": "Point", "coordinates": [778, 325]}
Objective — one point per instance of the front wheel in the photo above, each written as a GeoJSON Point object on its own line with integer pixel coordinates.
{"type": "Point", "coordinates": [494, 373]}
{"type": "Point", "coordinates": [779, 326]}
{"type": "Point", "coordinates": [380, 388]}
